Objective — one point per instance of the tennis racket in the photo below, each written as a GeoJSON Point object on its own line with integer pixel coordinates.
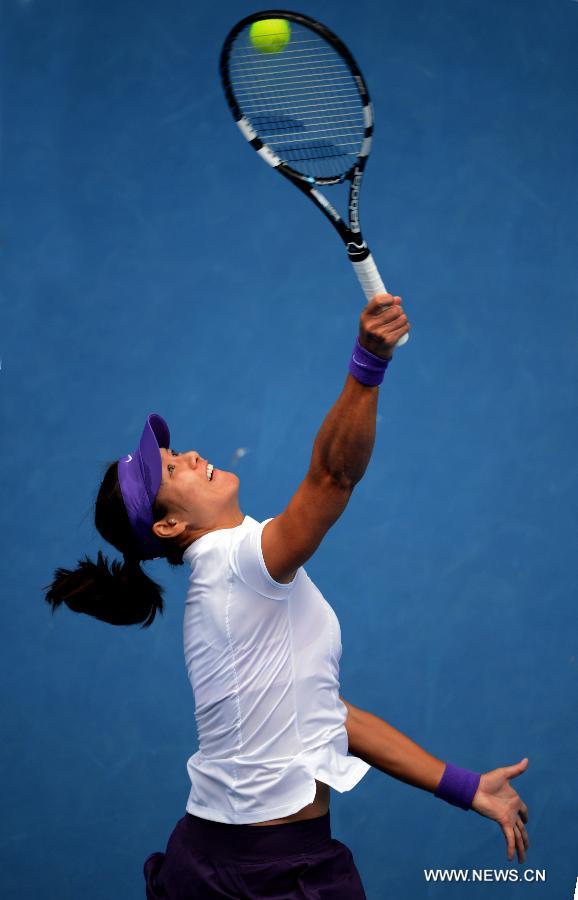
{"type": "Point", "coordinates": [299, 98]}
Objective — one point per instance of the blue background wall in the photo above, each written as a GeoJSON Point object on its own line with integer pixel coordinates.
{"type": "Point", "coordinates": [149, 262]}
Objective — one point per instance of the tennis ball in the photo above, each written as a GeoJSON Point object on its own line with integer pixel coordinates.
{"type": "Point", "coordinates": [270, 35]}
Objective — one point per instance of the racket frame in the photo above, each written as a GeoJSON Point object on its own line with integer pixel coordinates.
{"type": "Point", "coordinates": [350, 232]}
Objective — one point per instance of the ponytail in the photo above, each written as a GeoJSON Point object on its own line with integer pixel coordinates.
{"type": "Point", "coordinates": [120, 593]}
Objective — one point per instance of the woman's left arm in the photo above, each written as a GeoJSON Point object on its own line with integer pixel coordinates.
{"type": "Point", "coordinates": [387, 749]}
{"type": "Point", "coordinates": [390, 751]}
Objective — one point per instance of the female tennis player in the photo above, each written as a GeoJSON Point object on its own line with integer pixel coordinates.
{"type": "Point", "coordinates": [262, 650]}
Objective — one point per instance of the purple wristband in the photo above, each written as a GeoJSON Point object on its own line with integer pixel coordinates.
{"type": "Point", "coordinates": [458, 786]}
{"type": "Point", "coordinates": [366, 367]}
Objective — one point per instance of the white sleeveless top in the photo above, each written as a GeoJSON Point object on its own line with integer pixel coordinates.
{"type": "Point", "coordinates": [263, 662]}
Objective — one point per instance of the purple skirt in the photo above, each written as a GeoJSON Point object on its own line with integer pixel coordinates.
{"type": "Point", "coordinates": [296, 861]}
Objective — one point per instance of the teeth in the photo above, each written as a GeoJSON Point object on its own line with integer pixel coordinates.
{"type": "Point", "coordinates": [210, 468]}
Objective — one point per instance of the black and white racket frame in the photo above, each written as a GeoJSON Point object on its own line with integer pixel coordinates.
{"type": "Point", "coordinates": [350, 233]}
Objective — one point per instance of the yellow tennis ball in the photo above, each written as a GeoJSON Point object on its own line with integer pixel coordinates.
{"type": "Point", "coordinates": [270, 35]}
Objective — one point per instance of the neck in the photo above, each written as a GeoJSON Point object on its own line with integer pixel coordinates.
{"type": "Point", "coordinates": [233, 520]}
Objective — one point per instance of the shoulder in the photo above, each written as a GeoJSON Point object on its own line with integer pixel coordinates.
{"type": "Point", "coordinates": [248, 563]}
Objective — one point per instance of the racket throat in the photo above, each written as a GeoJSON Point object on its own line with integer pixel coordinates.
{"type": "Point", "coordinates": [357, 250]}
{"type": "Point", "coordinates": [354, 202]}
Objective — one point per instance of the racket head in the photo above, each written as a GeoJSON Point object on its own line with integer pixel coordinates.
{"type": "Point", "coordinates": [304, 108]}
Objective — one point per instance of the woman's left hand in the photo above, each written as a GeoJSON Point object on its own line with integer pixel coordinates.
{"type": "Point", "coordinates": [495, 799]}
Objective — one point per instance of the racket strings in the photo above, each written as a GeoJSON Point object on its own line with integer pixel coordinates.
{"type": "Point", "coordinates": [302, 102]}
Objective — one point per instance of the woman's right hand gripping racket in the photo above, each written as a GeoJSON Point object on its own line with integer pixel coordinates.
{"type": "Point", "coordinates": [300, 100]}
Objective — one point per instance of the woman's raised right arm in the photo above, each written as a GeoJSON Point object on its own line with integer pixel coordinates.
{"type": "Point", "coordinates": [345, 440]}
{"type": "Point", "coordinates": [341, 453]}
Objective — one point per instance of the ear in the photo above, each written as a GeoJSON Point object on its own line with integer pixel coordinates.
{"type": "Point", "coordinates": [168, 528]}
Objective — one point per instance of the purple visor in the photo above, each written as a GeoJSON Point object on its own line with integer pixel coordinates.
{"type": "Point", "coordinates": [139, 476]}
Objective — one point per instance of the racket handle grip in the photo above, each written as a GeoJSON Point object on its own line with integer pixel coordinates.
{"type": "Point", "coordinates": [371, 283]}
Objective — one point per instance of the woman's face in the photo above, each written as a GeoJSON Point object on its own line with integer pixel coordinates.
{"type": "Point", "coordinates": [194, 503]}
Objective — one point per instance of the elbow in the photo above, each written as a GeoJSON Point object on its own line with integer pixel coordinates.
{"type": "Point", "coordinates": [337, 479]}
{"type": "Point", "coordinates": [356, 725]}
{"type": "Point", "coordinates": [351, 723]}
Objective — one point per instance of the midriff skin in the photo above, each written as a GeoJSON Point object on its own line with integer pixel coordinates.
{"type": "Point", "coordinates": [318, 808]}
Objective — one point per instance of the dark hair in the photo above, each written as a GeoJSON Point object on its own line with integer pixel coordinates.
{"type": "Point", "coordinates": [122, 594]}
